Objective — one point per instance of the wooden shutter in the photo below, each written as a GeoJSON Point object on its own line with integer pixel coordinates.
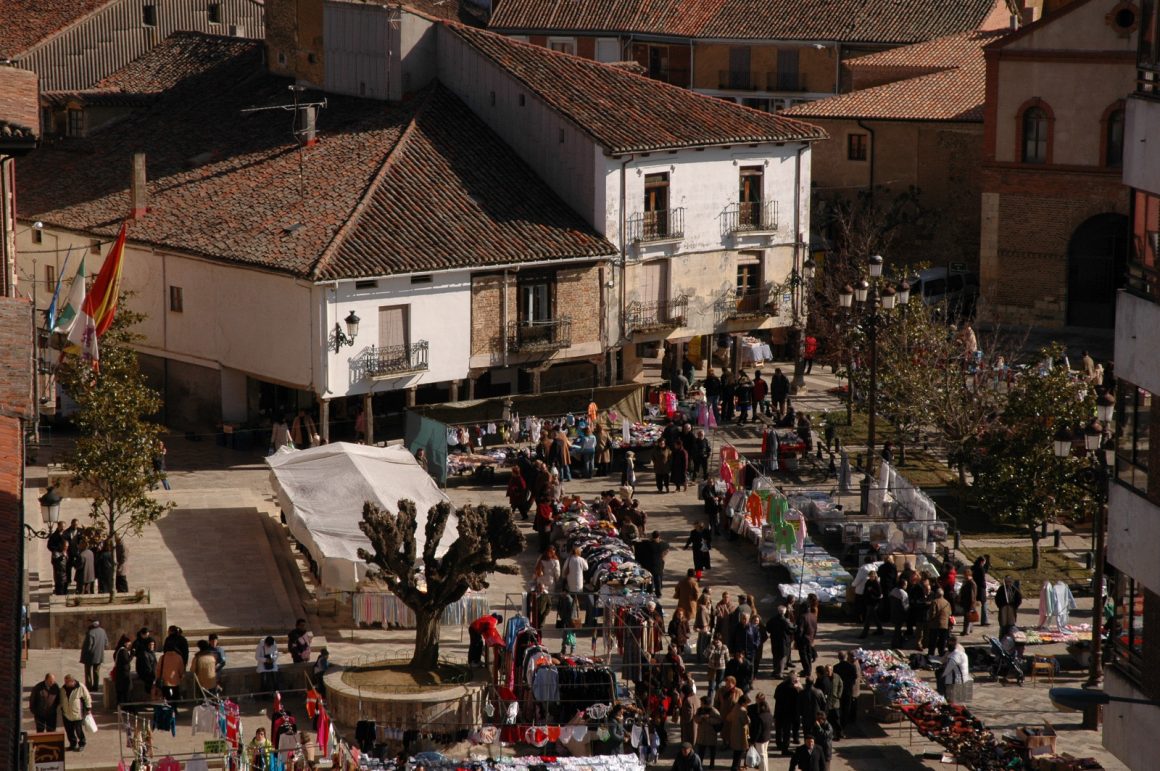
{"type": "Point", "coordinates": [393, 323]}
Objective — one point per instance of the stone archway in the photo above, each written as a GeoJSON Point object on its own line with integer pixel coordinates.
{"type": "Point", "coordinates": [1097, 255]}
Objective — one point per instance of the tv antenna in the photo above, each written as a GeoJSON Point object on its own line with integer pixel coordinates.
{"type": "Point", "coordinates": [303, 125]}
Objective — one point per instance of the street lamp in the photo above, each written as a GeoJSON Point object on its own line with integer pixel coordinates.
{"type": "Point", "coordinates": [346, 338]}
{"type": "Point", "coordinates": [800, 284]}
{"type": "Point", "coordinates": [1098, 446]}
{"type": "Point", "coordinates": [871, 301]}
{"type": "Point", "coordinates": [50, 506]}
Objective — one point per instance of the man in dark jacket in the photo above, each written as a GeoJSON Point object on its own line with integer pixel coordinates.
{"type": "Point", "coordinates": [781, 632]}
{"type": "Point", "coordinates": [779, 391]}
{"type": "Point", "coordinates": [810, 702]}
{"type": "Point", "coordinates": [713, 393]}
{"type": "Point", "coordinates": [871, 596]}
{"type": "Point", "coordinates": [979, 572]}
{"type": "Point", "coordinates": [44, 702]}
{"type": "Point", "coordinates": [847, 669]}
{"type": "Point", "coordinates": [824, 737]}
{"type": "Point", "coordinates": [808, 757]}
{"type": "Point", "coordinates": [785, 714]}
{"type": "Point", "coordinates": [651, 556]}
{"type": "Point", "coordinates": [93, 654]}
{"type": "Point", "coordinates": [686, 759]}
{"type": "Point", "coordinates": [740, 670]}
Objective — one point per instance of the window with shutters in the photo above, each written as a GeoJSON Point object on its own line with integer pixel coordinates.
{"type": "Point", "coordinates": [656, 205]}
{"type": "Point", "coordinates": [394, 327]}
{"type": "Point", "coordinates": [536, 300]}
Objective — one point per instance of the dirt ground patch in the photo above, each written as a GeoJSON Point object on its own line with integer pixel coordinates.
{"type": "Point", "coordinates": [398, 676]}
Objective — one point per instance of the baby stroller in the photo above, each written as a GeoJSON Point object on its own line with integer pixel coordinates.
{"type": "Point", "coordinates": [1006, 663]}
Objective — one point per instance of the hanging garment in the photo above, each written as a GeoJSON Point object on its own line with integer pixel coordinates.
{"type": "Point", "coordinates": [167, 763]}
{"type": "Point", "coordinates": [313, 699]}
{"type": "Point", "coordinates": [323, 732]}
{"type": "Point", "coordinates": [197, 763]}
{"type": "Point", "coordinates": [205, 720]}
{"type": "Point", "coordinates": [164, 719]}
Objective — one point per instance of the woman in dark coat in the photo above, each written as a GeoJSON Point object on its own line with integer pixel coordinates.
{"type": "Point", "coordinates": [679, 466]}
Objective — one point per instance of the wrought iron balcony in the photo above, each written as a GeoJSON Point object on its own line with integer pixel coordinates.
{"type": "Point", "coordinates": [656, 225]}
{"type": "Point", "coordinates": [751, 217]}
{"type": "Point", "coordinates": [745, 304]}
{"type": "Point", "coordinates": [549, 335]}
{"type": "Point", "coordinates": [393, 360]}
{"type": "Point", "coordinates": [656, 314]}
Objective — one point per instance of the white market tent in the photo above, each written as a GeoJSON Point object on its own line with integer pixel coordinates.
{"type": "Point", "coordinates": [322, 490]}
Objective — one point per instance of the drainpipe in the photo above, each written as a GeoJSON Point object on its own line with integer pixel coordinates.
{"type": "Point", "coordinates": [873, 149]}
{"type": "Point", "coordinates": [799, 298]}
{"type": "Point", "coordinates": [503, 305]}
{"type": "Point", "coordinates": [623, 225]}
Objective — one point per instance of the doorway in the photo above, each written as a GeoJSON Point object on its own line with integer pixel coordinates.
{"type": "Point", "coordinates": [1097, 256]}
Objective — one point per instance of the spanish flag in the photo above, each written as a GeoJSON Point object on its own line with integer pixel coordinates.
{"type": "Point", "coordinates": [100, 305]}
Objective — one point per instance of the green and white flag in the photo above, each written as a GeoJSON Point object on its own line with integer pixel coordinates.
{"type": "Point", "coordinates": [76, 298]}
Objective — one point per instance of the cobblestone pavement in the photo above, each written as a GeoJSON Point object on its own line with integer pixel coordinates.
{"type": "Point", "coordinates": [213, 477]}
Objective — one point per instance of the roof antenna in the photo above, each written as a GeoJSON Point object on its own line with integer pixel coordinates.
{"type": "Point", "coordinates": [303, 126]}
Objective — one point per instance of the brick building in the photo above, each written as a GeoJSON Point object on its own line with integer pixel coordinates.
{"type": "Point", "coordinates": [766, 54]}
{"type": "Point", "coordinates": [912, 117]}
{"type": "Point", "coordinates": [1054, 236]}
{"type": "Point", "coordinates": [1134, 497]}
{"type": "Point", "coordinates": [17, 137]}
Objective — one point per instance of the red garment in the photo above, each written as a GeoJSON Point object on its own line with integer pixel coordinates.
{"type": "Point", "coordinates": [811, 346]}
{"type": "Point", "coordinates": [323, 732]}
{"type": "Point", "coordinates": [485, 627]}
{"type": "Point", "coordinates": [313, 702]}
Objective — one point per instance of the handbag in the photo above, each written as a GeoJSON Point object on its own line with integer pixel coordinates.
{"type": "Point", "coordinates": [90, 723]}
{"type": "Point", "coordinates": [973, 616]}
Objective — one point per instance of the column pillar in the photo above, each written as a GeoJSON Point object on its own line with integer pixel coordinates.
{"type": "Point", "coordinates": [707, 352]}
{"type": "Point", "coordinates": [735, 352]}
{"type": "Point", "coordinates": [369, 414]}
{"type": "Point", "coordinates": [324, 420]}
{"type": "Point", "coordinates": [453, 395]}
{"type": "Point", "coordinates": [470, 387]}
{"type": "Point", "coordinates": [535, 381]}
{"type": "Point", "coordinates": [411, 396]}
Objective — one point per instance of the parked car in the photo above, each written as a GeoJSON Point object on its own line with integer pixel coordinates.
{"type": "Point", "coordinates": [954, 293]}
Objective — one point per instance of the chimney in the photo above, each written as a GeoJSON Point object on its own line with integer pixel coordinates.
{"type": "Point", "coordinates": [138, 190]}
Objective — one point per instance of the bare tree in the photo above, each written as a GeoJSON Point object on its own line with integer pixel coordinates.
{"type": "Point", "coordinates": [427, 584]}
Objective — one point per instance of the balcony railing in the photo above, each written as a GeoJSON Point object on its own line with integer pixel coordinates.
{"type": "Point", "coordinates": [744, 304]}
{"type": "Point", "coordinates": [657, 225]}
{"type": "Point", "coordinates": [548, 335]}
{"type": "Point", "coordinates": [751, 217]}
{"type": "Point", "coordinates": [677, 76]}
{"type": "Point", "coordinates": [1144, 281]}
{"type": "Point", "coordinates": [785, 81]}
{"type": "Point", "coordinates": [735, 79]}
{"type": "Point", "coordinates": [656, 314]}
{"type": "Point", "coordinates": [394, 360]}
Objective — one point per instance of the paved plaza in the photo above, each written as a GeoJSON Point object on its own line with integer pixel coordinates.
{"type": "Point", "coordinates": [218, 569]}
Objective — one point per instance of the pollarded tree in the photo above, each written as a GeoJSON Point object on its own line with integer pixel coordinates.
{"type": "Point", "coordinates": [427, 584]}
{"type": "Point", "coordinates": [113, 456]}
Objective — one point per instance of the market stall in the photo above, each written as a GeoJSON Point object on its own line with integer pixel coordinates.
{"type": "Point", "coordinates": [321, 491]}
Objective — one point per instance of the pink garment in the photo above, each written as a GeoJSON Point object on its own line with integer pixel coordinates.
{"type": "Point", "coordinates": [167, 763]}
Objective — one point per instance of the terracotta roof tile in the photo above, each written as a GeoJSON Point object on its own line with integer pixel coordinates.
{"type": "Point", "coordinates": [175, 60]}
{"type": "Point", "coordinates": [626, 112]}
{"type": "Point", "coordinates": [942, 79]}
{"type": "Point", "coordinates": [18, 107]}
{"type": "Point", "coordinates": [230, 186]}
{"type": "Point", "coordinates": [27, 22]}
{"type": "Point", "coordinates": [454, 195]}
{"type": "Point", "coordinates": [868, 21]}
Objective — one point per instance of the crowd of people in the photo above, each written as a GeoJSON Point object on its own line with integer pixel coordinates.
{"type": "Point", "coordinates": [84, 561]}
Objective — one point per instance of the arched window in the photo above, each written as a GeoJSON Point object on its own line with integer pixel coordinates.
{"type": "Point", "coordinates": [1035, 128]}
{"type": "Point", "coordinates": [1114, 139]}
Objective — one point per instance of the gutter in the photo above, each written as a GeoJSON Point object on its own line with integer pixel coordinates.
{"type": "Point", "coordinates": [623, 225]}
{"type": "Point", "coordinates": [475, 269]}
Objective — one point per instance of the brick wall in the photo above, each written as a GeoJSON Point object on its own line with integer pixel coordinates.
{"type": "Point", "coordinates": [487, 311]}
{"type": "Point", "coordinates": [1025, 234]}
{"type": "Point", "coordinates": [578, 296]}
{"type": "Point", "coordinates": [15, 408]}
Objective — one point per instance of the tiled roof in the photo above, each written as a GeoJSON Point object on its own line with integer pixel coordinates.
{"type": "Point", "coordinates": [229, 185]}
{"type": "Point", "coordinates": [24, 23]}
{"type": "Point", "coordinates": [180, 59]}
{"type": "Point", "coordinates": [19, 112]}
{"type": "Point", "coordinates": [864, 21]}
{"type": "Point", "coordinates": [626, 112]}
{"type": "Point", "coordinates": [452, 195]}
{"type": "Point", "coordinates": [942, 79]}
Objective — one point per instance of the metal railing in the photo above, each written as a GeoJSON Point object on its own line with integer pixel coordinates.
{"type": "Point", "coordinates": [1143, 281]}
{"type": "Point", "coordinates": [677, 76]}
{"type": "Point", "coordinates": [656, 314]}
{"type": "Point", "coordinates": [738, 79]}
{"type": "Point", "coordinates": [656, 225]}
{"type": "Point", "coordinates": [785, 81]}
{"type": "Point", "coordinates": [744, 303]}
{"type": "Point", "coordinates": [548, 335]}
{"type": "Point", "coordinates": [393, 360]}
{"type": "Point", "coordinates": [750, 217]}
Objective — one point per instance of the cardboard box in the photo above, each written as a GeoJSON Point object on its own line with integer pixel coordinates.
{"type": "Point", "coordinates": [1034, 736]}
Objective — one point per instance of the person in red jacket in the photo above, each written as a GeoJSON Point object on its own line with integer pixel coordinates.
{"type": "Point", "coordinates": [482, 630]}
{"type": "Point", "coordinates": [810, 349]}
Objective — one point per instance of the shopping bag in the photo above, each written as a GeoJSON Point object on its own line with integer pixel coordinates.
{"type": "Point", "coordinates": [90, 723]}
{"type": "Point", "coordinates": [973, 616]}
{"type": "Point", "coordinates": [752, 757]}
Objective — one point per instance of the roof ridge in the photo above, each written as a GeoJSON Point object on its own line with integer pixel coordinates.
{"type": "Point", "coordinates": [364, 200]}
{"type": "Point", "coordinates": [60, 31]}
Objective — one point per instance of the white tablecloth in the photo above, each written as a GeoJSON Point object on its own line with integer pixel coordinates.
{"type": "Point", "coordinates": [755, 353]}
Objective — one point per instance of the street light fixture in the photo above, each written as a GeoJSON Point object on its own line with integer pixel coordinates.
{"type": "Point", "coordinates": [346, 338]}
{"type": "Point", "coordinates": [50, 506]}
{"type": "Point", "coordinates": [809, 269]}
{"type": "Point", "coordinates": [1085, 698]}
{"type": "Point", "coordinates": [1062, 443]}
{"type": "Point", "coordinates": [1106, 407]}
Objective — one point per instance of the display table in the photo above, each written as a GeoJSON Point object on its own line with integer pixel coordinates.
{"type": "Point", "coordinates": [753, 351]}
